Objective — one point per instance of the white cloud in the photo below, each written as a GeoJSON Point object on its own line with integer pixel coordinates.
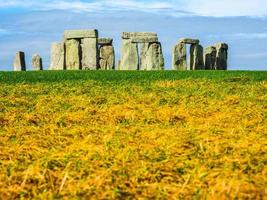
{"type": "Point", "coordinates": [215, 8]}
{"type": "Point", "coordinates": [249, 36]}
{"type": "Point", "coordinates": [81, 6]}
{"type": "Point", "coordinates": [3, 32]}
{"type": "Point", "coordinates": [221, 8]}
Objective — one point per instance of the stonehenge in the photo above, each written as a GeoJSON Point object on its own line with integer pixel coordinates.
{"type": "Point", "coordinates": [85, 50]}
{"type": "Point", "coordinates": [129, 56]}
{"type": "Point", "coordinates": [19, 62]}
{"type": "Point", "coordinates": [221, 56]}
{"type": "Point", "coordinates": [196, 57]}
{"type": "Point", "coordinates": [89, 53]}
{"type": "Point", "coordinates": [57, 56]}
{"type": "Point", "coordinates": [37, 63]}
{"type": "Point", "coordinates": [216, 57]}
{"type": "Point", "coordinates": [82, 50]}
{"type": "Point", "coordinates": [151, 56]}
{"type": "Point", "coordinates": [211, 58]}
{"type": "Point", "coordinates": [73, 54]}
{"type": "Point", "coordinates": [179, 57]}
{"type": "Point", "coordinates": [106, 54]}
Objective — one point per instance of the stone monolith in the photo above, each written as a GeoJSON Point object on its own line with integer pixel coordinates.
{"type": "Point", "coordinates": [89, 53]}
{"type": "Point", "coordinates": [210, 58]}
{"type": "Point", "coordinates": [57, 56]}
{"type": "Point", "coordinates": [129, 56]}
{"type": "Point", "coordinates": [73, 54]}
{"type": "Point", "coordinates": [221, 56]}
{"type": "Point", "coordinates": [151, 57]}
{"type": "Point", "coordinates": [37, 63]}
{"type": "Point", "coordinates": [19, 62]}
{"type": "Point", "coordinates": [106, 57]}
{"type": "Point", "coordinates": [196, 57]}
{"type": "Point", "coordinates": [179, 57]}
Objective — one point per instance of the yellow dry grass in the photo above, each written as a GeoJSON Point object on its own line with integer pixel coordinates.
{"type": "Point", "coordinates": [179, 139]}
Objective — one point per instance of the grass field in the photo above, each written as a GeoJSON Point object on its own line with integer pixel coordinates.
{"type": "Point", "coordinates": [133, 135]}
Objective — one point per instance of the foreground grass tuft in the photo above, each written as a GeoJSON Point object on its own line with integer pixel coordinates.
{"type": "Point", "coordinates": [128, 135]}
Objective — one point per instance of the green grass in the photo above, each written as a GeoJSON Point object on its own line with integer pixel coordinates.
{"type": "Point", "coordinates": [133, 135]}
{"type": "Point", "coordinates": [135, 76]}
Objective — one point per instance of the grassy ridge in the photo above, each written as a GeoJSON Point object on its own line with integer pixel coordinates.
{"type": "Point", "coordinates": [133, 135]}
{"type": "Point", "coordinates": [55, 76]}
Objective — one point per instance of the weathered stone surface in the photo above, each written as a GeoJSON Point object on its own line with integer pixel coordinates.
{"type": "Point", "coordinates": [179, 57]}
{"type": "Point", "coordinates": [151, 57]}
{"type": "Point", "coordinates": [210, 58]}
{"type": "Point", "coordinates": [129, 56]}
{"type": "Point", "coordinates": [19, 62]}
{"type": "Point", "coordinates": [37, 63]}
{"type": "Point", "coordinates": [196, 57]}
{"type": "Point", "coordinates": [221, 56]}
{"type": "Point", "coordinates": [73, 54]}
{"type": "Point", "coordinates": [57, 57]}
{"type": "Point", "coordinates": [144, 60]}
{"type": "Point", "coordinates": [105, 41]}
{"type": "Point", "coordinates": [80, 34]}
{"type": "Point", "coordinates": [107, 57]}
{"type": "Point", "coordinates": [89, 54]}
{"type": "Point", "coordinates": [129, 35]}
{"type": "Point", "coordinates": [188, 41]}
{"type": "Point", "coordinates": [144, 39]}
{"type": "Point", "coordinates": [221, 45]}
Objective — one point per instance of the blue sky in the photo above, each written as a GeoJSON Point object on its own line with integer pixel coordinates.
{"type": "Point", "coordinates": [31, 26]}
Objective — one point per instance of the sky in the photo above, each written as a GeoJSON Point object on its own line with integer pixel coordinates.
{"type": "Point", "coordinates": [31, 26]}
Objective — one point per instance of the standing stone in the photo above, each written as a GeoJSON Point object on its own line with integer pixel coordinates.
{"type": "Point", "coordinates": [210, 58]}
{"type": "Point", "coordinates": [179, 57]}
{"type": "Point", "coordinates": [89, 53]}
{"type": "Point", "coordinates": [73, 54]}
{"type": "Point", "coordinates": [107, 57]}
{"type": "Point", "coordinates": [196, 57]}
{"type": "Point", "coordinates": [151, 57]}
{"type": "Point", "coordinates": [221, 56]}
{"type": "Point", "coordinates": [57, 56]}
{"type": "Point", "coordinates": [19, 62]}
{"type": "Point", "coordinates": [37, 63]}
{"type": "Point", "coordinates": [144, 60]}
{"type": "Point", "coordinates": [129, 56]}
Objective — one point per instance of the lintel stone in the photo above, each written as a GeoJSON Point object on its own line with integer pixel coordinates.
{"type": "Point", "coordinates": [189, 41]}
{"type": "Point", "coordinates": [80, 34]}
{"type": "Point", "coordinates": [129, 35]}
{"type": "Point", "coordinates": [105, 41]}
{"type": "Point", "coordinates": [140, 39]}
